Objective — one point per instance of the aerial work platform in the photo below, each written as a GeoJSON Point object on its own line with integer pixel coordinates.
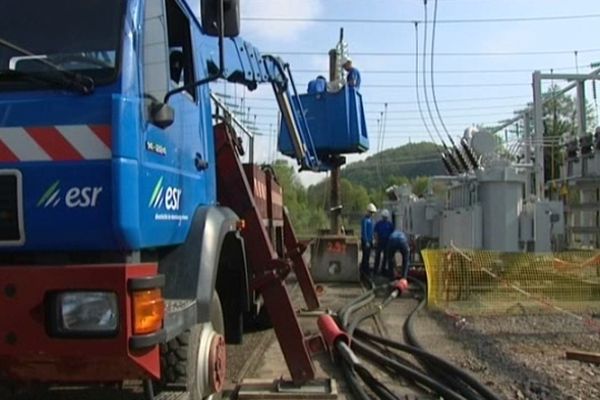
{"type": "Point", "coordinates": [340, 114]}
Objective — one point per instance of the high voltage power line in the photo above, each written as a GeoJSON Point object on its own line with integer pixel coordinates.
{"type": "Point", "coordinates": [453, 54]}
{"type": "Point", "coordinates": [414, 110]}
{"type": "Point", "coordinates": [412, 21]}
{"type": "Point", "coordinates": [453, 100]}
{"type": "Point", "coordinates": [450, 85]}
{"type": "Point", "coordinates": [452, 71]}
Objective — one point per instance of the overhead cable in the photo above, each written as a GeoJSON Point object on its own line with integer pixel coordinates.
{"type": "Point", "coordinates": [448, 71]}
{"type": "Point", "coordinates": [420, 108]}
{"type": "Point", "coordinates": [408, 21]}
{"type": "Point", "coordinates": [432, 120]}
{"type": "Point", "coordinates": [457, 54]}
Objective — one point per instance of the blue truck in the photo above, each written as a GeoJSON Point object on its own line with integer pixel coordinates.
{"type": "Point", "coordinates": [131, 246]}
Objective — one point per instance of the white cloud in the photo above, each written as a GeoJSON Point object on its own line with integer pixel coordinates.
{"type": "Point", "coordinates": [278, 31]}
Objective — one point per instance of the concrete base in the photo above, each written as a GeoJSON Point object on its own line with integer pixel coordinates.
{"type": "Point", "coordinates": [281, 389]}
{"type": "Point", "coordinates": [335, 259]}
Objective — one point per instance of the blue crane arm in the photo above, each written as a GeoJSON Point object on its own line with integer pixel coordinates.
{"type": "Point", "coordinates": [244, 64]}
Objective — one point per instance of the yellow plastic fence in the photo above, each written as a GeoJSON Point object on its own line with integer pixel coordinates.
{"type": "Point", "coordinates": [484, 282]}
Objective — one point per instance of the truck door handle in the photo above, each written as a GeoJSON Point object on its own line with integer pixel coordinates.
{"type": "Point", "coordinates": [200, 163]}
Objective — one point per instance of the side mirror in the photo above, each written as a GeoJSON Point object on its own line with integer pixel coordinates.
{"type": "Point", "coordinates": [161, 114]}
{"type": "Point", "coordinates": [231, 17]}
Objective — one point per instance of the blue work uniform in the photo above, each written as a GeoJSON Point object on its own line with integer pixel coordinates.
{"type": "Point", "coordinates": [398, 242]}
{"type": "Point", "coordinates": [353, 78]}
{"type": "Point", "coordinates": [383, 229]}
{"type": "Point", "coordinates": [366, 242]}
{"type": "Point", "coordinates": [318, 85]}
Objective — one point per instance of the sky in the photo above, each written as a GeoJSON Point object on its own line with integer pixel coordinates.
{"type": "Point", "coordinates": [470, 89]}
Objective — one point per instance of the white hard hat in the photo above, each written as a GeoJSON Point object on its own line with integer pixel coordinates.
{"type": "Point", "coordinates": [371, 208]}
{"type": "Point", "coordinates": [385, 214]}
{"type": "Point", "coordinates": [347, 60]}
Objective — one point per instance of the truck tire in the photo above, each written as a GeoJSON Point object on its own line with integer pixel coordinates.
{"type": "Point", "coordinates": [260, 321]}
{"type": "Point", "coordinates": [196, 358]}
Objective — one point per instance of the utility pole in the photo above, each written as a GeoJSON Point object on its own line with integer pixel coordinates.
{"type": "Point", "coordinates": [335, 196]}
{"type": "Point", "coordinates": [538, 121]}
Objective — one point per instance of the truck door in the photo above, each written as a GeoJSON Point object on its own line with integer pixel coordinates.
{"type": "Point", "coordinates": [171, 184]}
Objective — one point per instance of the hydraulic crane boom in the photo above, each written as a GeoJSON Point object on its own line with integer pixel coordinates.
{"type": "Point", "coordinates": [244, 64]}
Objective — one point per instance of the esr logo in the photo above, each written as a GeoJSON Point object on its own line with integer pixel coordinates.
{"type": "Point", "coordinates": [74, 197]}
{"type": "Point", "coordinates": [168, 196]}
{"type": "Point", "coordinates": [172, 198]}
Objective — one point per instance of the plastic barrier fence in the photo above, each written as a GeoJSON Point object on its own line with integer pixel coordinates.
{"type": "Point", "coordinates": [483, 282]}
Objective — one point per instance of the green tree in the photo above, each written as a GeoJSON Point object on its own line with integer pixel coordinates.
{"type": "Point", "coordinates": [394, 166]}
{"type": "Point", "coordinates": [420, 185]}
{"type": "Point", "coordinates": [306, 219]}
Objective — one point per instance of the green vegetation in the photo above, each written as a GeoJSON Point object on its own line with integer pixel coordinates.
{"type": "Point", "coordinates": [362, 182]}
{"type": "Point", "coordinates": [305, 217]}
{"type": "Point", "coordinates": [393, 166]}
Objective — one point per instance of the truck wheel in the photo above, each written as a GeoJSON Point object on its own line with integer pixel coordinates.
{"type": "Point", "coordinates": [257, 321]}
{"type": "Point", "coordinates": [197, 358]}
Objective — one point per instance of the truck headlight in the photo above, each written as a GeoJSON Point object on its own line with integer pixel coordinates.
{"type": "Point", "coordinates": [87, 313]}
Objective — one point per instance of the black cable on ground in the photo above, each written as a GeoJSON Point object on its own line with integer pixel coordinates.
{"type": "Point", "coordinates": [354, 324]}
{"type": "Point", "coordinates": [345, 315]}
{"type": "Point", "coordinates": [394, 374]}
{"type": "Point", "coordinates": [355, 388]}
{"type": "Point", "coordinates": [417, 352]}
{"type": "Point", "coordinates": [472, 389]}
{"type": "Point", "coordinates": [377, 387]}
{"type": "Point", "coordinates": [467, 384]}
{"type": "Point", "coordinates": [432, 367]}
{"type": "Point", "coordinates": [412, 373]}
{"type": "Point", "coordinates": [345, 309]}
{"type": "Point", "coordinates": [448, 380]}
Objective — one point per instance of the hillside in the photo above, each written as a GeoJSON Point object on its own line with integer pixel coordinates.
{"type": "Point", "coordinates": [411, 160]}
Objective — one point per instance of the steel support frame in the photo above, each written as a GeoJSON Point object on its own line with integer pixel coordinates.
{"type": "Point", "coordinates": [294, 251]}
{"type": "Point", "coordinates": [527, 137]}
{"type": "Point", "coordinates": [538, 115]}
{"type": "Point", "coordinates": [538, 131]}
{"type": "Point", "coordinates": [269, 272]}
{"type": "Point", "coordinates": [536, 112]}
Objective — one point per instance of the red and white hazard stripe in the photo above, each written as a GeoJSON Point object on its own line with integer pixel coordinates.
{"type": "Point", "coordinates": [55, 143]}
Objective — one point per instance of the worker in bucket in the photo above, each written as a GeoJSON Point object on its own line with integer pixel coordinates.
{"type": "Point", "coordinates": [382, 231]}
{"type": "Point", "coordinates": [366, 238]}
{"type": "Point", "coordinates": [317, 85]}
{"type": "Point", "coordinates": [353, 77]}
{"type": "Point", "coordinates": [397, 242]}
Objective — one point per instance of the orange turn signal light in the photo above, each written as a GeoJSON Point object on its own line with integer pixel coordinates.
{"type": "Point", "coordinates": [148, 311]}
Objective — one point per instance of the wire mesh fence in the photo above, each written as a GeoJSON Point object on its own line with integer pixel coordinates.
{"type": "Point", "coordinates": [483, 282]}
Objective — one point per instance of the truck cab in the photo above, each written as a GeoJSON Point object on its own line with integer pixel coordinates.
{"type": "Point", "coordinates": [78, 133]}
{"type": "Point", "coordinates": [111, 236]}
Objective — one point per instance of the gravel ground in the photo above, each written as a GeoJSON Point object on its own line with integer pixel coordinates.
{"type": "Point", "coordinates": [520, 357]}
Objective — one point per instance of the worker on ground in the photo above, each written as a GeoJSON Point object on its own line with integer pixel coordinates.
{"type": "Point", "coordinates": [382, 231]}
{"type": "Point", "coordinates": [397, 242]}
{"type": "Point", "coordinates": [317, 85]}
{"type": "Point", "coordinates": [353, 77]}
{"type": "Point", "coordinates": [366, 238]}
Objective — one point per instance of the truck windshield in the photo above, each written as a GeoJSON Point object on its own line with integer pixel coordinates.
{"type": "Point", "coordinates": [39, 37]}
